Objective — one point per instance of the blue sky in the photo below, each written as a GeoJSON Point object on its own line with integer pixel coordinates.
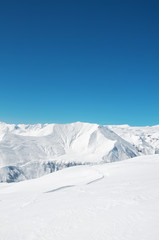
{"type": "Point", "coordinates": [92, 61]}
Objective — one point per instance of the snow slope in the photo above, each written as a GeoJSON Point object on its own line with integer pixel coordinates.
{"type": "Point", "coordinates": [115, 201]}
{"type": "Point", "coordinates": [30, 151]}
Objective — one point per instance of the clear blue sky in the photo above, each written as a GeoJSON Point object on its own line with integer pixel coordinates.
{"type": "Point", "coordinates": [93, 61]}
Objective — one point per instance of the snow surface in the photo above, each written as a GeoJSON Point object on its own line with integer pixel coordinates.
{"type": "Point", "coordinates": [113, 201]}
{"type": "Point", "coordinates": [31, 151]}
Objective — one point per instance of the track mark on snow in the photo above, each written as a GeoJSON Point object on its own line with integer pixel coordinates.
{"type": "Point", "coordinates": [96, 180]}
{"type": "Point", "coordinates": [60, 188]}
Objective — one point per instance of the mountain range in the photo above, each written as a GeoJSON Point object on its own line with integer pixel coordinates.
{"type": "Point", "coordinates": [30, 151]}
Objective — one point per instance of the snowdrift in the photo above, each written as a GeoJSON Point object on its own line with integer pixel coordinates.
{"type": "Point", "coordinates": [110, 201]}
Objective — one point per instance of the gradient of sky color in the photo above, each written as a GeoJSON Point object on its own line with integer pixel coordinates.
{"type": "Point", "coordinates": [92, 61]}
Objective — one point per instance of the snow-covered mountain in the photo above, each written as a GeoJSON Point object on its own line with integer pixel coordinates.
{"type": "Point", "coordinates": [145, 139]}
{"type": "Point", "coordinates": [30, 151]}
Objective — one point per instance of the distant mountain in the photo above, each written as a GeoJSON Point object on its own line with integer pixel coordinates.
{"type": "Point", "coordinates": [30, 151]}
{"type": "Point", "coordinates": [145, 139]}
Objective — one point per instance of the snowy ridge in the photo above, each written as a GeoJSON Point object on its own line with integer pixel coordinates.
{"type": "Point", "coordinates": [30, 151]}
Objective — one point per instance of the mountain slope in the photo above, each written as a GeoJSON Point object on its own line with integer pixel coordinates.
{"type": "Point", "coordinates": [117, 201]}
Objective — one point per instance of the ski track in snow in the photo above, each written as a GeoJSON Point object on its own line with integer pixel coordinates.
{"type": "Point", "coordinates": [96, 180]}
{"type": "Point", "coordinates": [60, 188]}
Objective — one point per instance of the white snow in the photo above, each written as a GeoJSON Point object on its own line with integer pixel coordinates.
{"type": "Point", "coordinates": [113, 201]}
